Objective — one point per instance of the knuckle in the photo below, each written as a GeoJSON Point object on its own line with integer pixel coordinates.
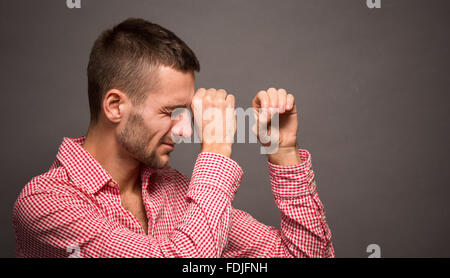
{"type": "Point", "coordinates": [196, 101]}
{"type": "Point", "coordinates": [271, 90]}
{"type": "Point", "coordinates": [221, 93]}
{"type": "Point", "coordinates": [262, 96]}
{"type": "Point", "coordinates": [230, 101]}
{"type": "Point", "coordinates": [261, 93]}
{"type": "Point", "coordinates": [221, 101]}
{"type": "Point", "coordinates": [209, 96]}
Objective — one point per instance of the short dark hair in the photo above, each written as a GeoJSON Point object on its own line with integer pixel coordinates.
{"type": "Point", "coordinates": [125, 56]}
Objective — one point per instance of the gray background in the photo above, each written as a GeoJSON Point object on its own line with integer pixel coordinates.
{"type": "Point", "coordinates": [372, 87]}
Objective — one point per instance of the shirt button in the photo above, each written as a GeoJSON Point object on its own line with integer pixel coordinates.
{"type": "Point", "coordinates": [111, 184]}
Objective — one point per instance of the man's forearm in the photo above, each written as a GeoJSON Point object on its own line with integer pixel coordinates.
{"type": "Point", "coordinates": [303, 223]}
{"type": "Point", "coordinates": [285, 156]}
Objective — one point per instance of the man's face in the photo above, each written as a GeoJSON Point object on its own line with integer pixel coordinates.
{"type": "Point", "coordinates": [146, 134]}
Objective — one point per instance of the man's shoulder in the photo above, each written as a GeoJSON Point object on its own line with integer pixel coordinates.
{"type": "Point", "coordinates": [34, 197]}
{"type": "Point", "coordinates": [55, 179]}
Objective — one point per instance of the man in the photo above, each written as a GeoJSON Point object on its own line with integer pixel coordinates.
{"type": "Point", "coordinates": [112, 193]}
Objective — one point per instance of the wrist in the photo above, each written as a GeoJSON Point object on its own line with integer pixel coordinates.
{"type": "Point", "coordinates": [285, 156]}
{"type": "Point", "coordinates": [224, 149]}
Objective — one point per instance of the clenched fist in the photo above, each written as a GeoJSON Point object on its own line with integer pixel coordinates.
{"type": "Point", "coordinates": [265, 104]}
{"type": "Point", "coordinates": [214, 119]}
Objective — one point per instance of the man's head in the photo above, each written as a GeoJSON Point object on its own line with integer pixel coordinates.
{"type": "Point", "coordinates": [138, 73]}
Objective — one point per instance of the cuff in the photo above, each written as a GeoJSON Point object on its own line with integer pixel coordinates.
{"type": "Point", "coordinates": [218, 171]}
{"type": "Point", "coordinates": [293, 180]}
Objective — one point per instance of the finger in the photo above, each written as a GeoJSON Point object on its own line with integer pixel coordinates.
{"type": "Point", "coordinates": [264, 116]}
{"type": "Point", "coordinates": [211, 91]}
{"type": "Point", "coordinates": [290, 101]}
{"type": "Point", "coordinates": [210, 95]}
{"type": "Point", "coordinates": [221, 94]}
{"type": "Point", "coordinates": [261, 114]}
{"type": "Point", "coordinates": [261, 100]}
{"type": "Point", "coordinates": [231, 118]}
{"type": "Point", "coordinates": [198, 98]}
{"type": "Point", "coordinates": [230, 100]}
{"type": "Point", "coordinates": [273, 97]}
{"type": "Point", "coordinates": [200, 93]}
{"type": "Point", "coordinates": [282, 100]}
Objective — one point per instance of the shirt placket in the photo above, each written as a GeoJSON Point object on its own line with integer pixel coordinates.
{"type": "Point", "coordinates": [136, 225]}
{"type": "Point", "coordinates": [147, 205]}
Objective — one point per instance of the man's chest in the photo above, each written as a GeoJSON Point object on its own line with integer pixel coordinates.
{"type": "Point", "coordinates": [133, 203]}
{"type": "Point", "coordinates": [157, 212]}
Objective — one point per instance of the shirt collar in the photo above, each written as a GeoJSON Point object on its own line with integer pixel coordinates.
{"type": "Point", "coordinates": [84, 170]}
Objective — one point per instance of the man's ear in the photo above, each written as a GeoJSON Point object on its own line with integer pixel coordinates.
{"type": "Point", "coordinates": [115, 105]}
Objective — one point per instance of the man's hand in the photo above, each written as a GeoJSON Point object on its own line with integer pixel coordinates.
{"type": "Point", "coordinates": [215, 120]}
{"type": "Point", "coordinates": [287, 153]}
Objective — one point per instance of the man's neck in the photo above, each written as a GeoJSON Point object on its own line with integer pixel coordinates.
{"type": "Point", "coordinates": [124, 169]}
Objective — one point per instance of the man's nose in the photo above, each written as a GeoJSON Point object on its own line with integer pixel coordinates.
{"type": "Point", "coordinates": [182, 126]}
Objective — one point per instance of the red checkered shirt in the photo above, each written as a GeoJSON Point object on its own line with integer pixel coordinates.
{"type": "Point", "coordinates": [74, 210]}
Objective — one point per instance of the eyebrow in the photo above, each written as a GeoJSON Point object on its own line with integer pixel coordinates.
{"type": "Point", "coordinates": [175, 106]}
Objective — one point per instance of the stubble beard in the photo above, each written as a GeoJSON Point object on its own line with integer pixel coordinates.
{"type": "Point", "coordinates": [135, 137]}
